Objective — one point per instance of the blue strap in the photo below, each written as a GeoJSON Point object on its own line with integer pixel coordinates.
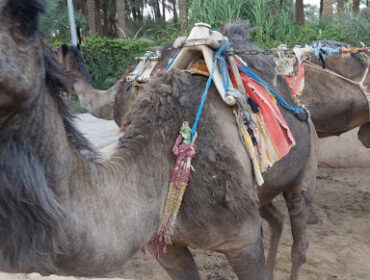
{"type": "Point", "coordinates": [172, 60]}
{"type": "Point", "coordinates": [247, 71]}
{"type": "Point", "coordinates": [224, 72]}
{"type": "Point", "coordinates": [216, 59]}
{"type": "Point", "coordinates": [320, 49]}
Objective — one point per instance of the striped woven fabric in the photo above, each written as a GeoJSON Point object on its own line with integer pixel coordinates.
{"type": "Point", "coordinates": [272, 134]}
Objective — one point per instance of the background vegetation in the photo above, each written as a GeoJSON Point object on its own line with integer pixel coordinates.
{"type": "Point", "coordinates": [113, 32]}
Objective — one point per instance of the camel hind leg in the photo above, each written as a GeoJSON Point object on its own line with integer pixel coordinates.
{"type": "Point", "coordinates": [275, 220]}
{"type": "Point", "coordinates": [298, 199]}
{"type": "Point", "coordinates": [179, 263]}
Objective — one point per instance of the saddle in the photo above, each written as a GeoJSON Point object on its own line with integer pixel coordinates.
{"type": "Point", "coordinates": [263, 131]}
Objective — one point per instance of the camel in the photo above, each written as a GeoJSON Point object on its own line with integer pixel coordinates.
{"type": "Point", "coordinates": [336, 105]}
{"type": "Point", "coordinates": [65, 211]}
{"type": "Point", "coordinates": [126, 95]}
{"type": "Point", "coordinates": [364, 134]}
{"type": "Point", "coordinates": [97, 102]}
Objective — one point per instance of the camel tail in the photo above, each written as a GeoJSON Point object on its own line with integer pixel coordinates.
{"type": "Point", "coordinates": [30, 214]}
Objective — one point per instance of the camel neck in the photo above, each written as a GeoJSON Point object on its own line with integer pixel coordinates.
{"type": "Point", "coordinates": [101, 212]}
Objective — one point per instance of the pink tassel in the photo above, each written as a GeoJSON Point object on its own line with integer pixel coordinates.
{"type": "Point", "coordinates": [145, 258]}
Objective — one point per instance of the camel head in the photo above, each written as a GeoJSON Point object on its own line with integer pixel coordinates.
{"type": "Point", "coordinates": [71, 57]}
{"type": "Point", "coordinates": [21, 53]}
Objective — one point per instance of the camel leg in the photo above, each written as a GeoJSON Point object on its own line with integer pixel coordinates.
{"type": "Point", "coordinates": [299, 215]}
{"type": "Point", "coordinates": [275, 220]}
{"type": "Point", "coordinates": [299, 199]}
{"type": "Point", "coordinates": [249, 264]}
{"type": "Point", "coordinates": [179, 263]}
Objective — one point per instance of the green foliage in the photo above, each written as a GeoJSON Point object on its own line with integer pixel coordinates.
{"type": "Point", "coordinates": [108, 59]}
{"type": "Point", "coordinates": [217, 12]}
{"type": "Point", "coordinates": [276, 25]}
{"type": "Point", "coordinates": [54, 24]}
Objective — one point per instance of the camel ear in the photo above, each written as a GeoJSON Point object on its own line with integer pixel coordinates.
{"type": "Point", "coordinates": [64, 49]}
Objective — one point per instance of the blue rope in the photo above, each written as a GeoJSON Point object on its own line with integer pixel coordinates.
{"type": "Point", "coordinates": [247, 71]}
{"type": "Point", "coordinates": [172, 60]}
{"type": "Point", "coordinates": [224, 73]}
{"type": "Point", "coordinates": [217, 58]}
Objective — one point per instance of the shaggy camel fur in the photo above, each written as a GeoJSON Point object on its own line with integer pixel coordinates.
{"type": "Point", "coordinates": [263, 66]}
{"type": "Point", "coordinates": [63, 210]}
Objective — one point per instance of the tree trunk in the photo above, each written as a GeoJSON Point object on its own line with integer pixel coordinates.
{"type": "Point", "coordinates": [140, 8]}
{"type": "Point", "coordinates": [121, 11]}
{"type": "Point", "coordinates": [321, 7]}
{"type": "Point", "coordinates": [340, 8]}
{"type": "Point", "coordinates": [327, 8]}
{"type": "Point", "coordinates": [91, 17]}
{"type": "Point", "coordinates": [299, 12]}
{"type": "Point", "coordinates": [174, 11]}
{"type": "Point", "coordinates": [99, 27]}
{"type": "Point", "coordinates": [83, 7]}
{"type": "Point", "coordinates": [164, 10]}
{"type": "Point", "coordinates": [356, 6]}
{"type": "Point", "coordinates": [105, 18]}
{"type": "Point", "coordinates": [157, 10]}
{"type": "Point", "coordinates": [182, 11]}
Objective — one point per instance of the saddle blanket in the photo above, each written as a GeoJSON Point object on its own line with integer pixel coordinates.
{"type": "Point", "coordinates": [271, 136]}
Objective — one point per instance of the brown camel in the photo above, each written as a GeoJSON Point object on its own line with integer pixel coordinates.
{"type": "Point", "coordinates": [364, 134]}
{"type": "Point", "coordinates": [97, 102]}
{"type": "Point", "coordinates": [63, 210]}
{"type": "Point", "coordinates": [337, 105]}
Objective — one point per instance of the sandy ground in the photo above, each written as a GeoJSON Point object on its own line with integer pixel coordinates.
{"type": "Point", "coordinates": [339, 243]}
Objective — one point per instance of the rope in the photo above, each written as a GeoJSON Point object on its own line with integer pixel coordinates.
{"type": "Point", "coordinates": [246, 70]}
{"type": "Point", "coordinates": [151, 54]}
{"type": "Point", "coordinates": [224, 72]}
{"type": "Point", "coordinates": [172, 60]}
{"type": "Point", "coordinates": [359, 84]}
{"type": "Point", "coordinates": [216, 59]}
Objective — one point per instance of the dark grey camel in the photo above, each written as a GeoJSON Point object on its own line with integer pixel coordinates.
{"type": "Point", "coordinates": [64, 211]}
{"type": "Point", "coordinates": [264, 67]}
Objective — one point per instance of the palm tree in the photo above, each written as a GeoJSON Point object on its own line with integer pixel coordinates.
{"type": "Point", "coordinates": [174, 11]}
{"type": "Point", "coordinates": [91, 17]}
{"type": "Point", "coordinates": [356, 6]}
{"type": "Point", "coordinates": [327, 8]}
{"type": "Point", "coordinates": [299, 12]}
{"type": "Point", "coordinates": [98, 24]}
{"type": "Point", "coordinates": [340, 8]}
{"type": "Point", "coordinates": [121, 11]}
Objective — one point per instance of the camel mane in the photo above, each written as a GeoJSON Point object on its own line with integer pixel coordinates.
{"type": "Point", "coordinates": [29, 208]}
{"type": "Point", "coordinates": [58, 80]}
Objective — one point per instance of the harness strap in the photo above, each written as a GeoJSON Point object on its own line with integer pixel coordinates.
{"type": "Point", "coordinates": [360, 84]}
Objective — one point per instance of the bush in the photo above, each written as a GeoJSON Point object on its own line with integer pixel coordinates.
{"type": "Point", "coordinates": [108, 59]}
